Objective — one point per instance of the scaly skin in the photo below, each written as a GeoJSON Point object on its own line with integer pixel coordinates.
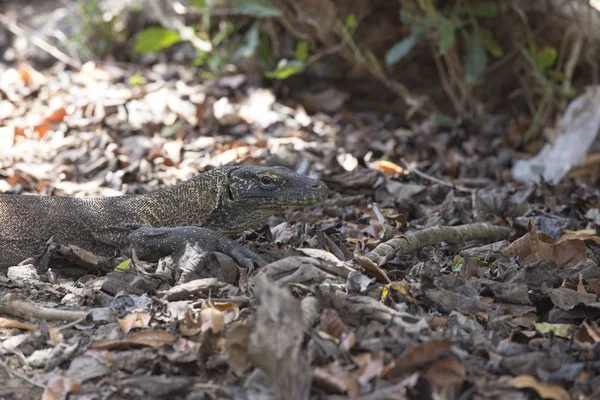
{"type": "Point", "coordinates": [225, 200]}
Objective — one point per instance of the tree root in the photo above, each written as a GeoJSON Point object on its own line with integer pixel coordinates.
{"type": "Point", "coordinates": [413, 241]}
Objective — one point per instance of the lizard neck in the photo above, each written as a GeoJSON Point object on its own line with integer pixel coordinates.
{"type": "Point", "coordinates": [233, 217]}
{"type": "Point", "coordinates": [190, 202]}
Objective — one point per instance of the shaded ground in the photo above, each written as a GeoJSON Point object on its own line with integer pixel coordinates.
{"type": "Point", "coordinates": [505, 310]}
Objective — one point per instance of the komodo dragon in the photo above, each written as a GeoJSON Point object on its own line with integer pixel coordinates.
{"type": "Point", "coordinates": [203, 209]}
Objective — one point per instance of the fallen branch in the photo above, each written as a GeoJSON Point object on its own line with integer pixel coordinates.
{"type": "Point", "coordinates": [413, 241]}
{"type": "Point", "coordinates": [21, 308]}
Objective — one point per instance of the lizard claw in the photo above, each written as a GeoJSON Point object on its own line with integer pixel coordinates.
{"type": "Point", "coordinates": [165, 240]}
{"type": "Point", "coordinates": [247, 258]}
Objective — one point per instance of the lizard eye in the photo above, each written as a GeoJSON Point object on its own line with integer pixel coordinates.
{"type": "Point", "coordinates": [266, 180]}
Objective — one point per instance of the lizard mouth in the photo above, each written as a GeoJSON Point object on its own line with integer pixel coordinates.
{"type": "Point", "coordinates": [296, 203]}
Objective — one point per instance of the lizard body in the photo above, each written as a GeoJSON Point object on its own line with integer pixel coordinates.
{"type": "Point", "coordinates": [222, 201]}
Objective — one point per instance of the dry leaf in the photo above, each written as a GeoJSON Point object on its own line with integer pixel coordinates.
{"type": "Point", "coordinates": [373, 270]}
{"type": "Point", "coordinates": [212, 319]}
{"type": "Point", "coordinates": [31, 77]}
{"type": "Point", "coordinates": [231, 311]}
{"type": "Point", "coordinates": [190, 326]}
{"type": "Point", "coordinates": [585, 234]}
{"type": "Point", "coordinates": [561, 330]}
{"type": "Point", "coordinates": [58, 387]}
{"type": "Point", "coordinates": [334, 378]}
{"type": "Point", "coordinates": [436, 322]}
{"type": "Point", "coordinates": [401, 290]}
{"type": "Point", "coordinates": [55, 116]}
{"type": "Point", "coordinates": [41, 130]}
{"type": "Point", "coordinates": [447, 376]}
{"type": "Point", "coordinates": [134, 320]}
{"type": "Point", "coordinates": [569, 253]}
{"type": "Point", "coordinates": [9, 323]}
{"type": "Point", "coordinates": [328, 100]}
{"type": "Point", "coordinates": [536, 246]}
{"type": "Point", "coordinates": [417, 356]}
{"type": "Point", "coordinates": [332, 324]}
{"type": "Point", "coordinates": [388, 167]}
{"type": "Point", "coordinates": [370, 365]}
{"type": "Point", "coordinates": [544, 390]}
{"type": "Point", "coordinates": [594, 285]}
{"type": "Point", "coordinates": [531, 247]}
{"type": "Point", "coordinates": [347, 341]}
{"type": "Point", "coordinates": [236, 344]}
{"type": "Point", "coordinates": [56, 336]}
{"type": "Point", "coordinates": [580, 287]}
{"type": "Point", "coordinates": [587, 335]}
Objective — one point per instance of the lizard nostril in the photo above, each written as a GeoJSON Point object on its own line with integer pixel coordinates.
{"type": "Point", "coordinates": [316, 186]}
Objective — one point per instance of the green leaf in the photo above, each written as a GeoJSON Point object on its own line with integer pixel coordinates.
{"type": "Point", "coordinates": [170, 130]}
{"type": "Point", "coordinates": [201, 59]}
{"type": "Point", "coordinates": [484, 9]}
{"type": "Point", "coordinates": [538, 73]}
{"type": "Point", "coordinates": [458, 265]}
{"type": "Point", "coordinates": [546, 57]}
{"type": "Point", "coordinates": [302, 50]}
{"type": "Point", "coordinates": [265, 48]}
{"type": "Point", "coordinates": [256, 8]}
{"type": "Point", "coordinates": [215, 62]}
{"type": "Point", "coordinates": [561, 330]}
{"type": "Point", "coordinates": [123, 266]}
{"type": "Point", "coordinates": [407, 16]}
{"type": "Point", "coordinates": [351, 22]}
{"type": "Point", "coordinates": [475, 59]}
{"type": "Point", "coordinates": [137, 80]}
{"type": "Point", "coordinates": [446, 32]}
{"type": "Point", "coordinates": [285, 69]}
{"type": "Point", "coordinates": [251, 43]}
{"type": "Point", "coordinates": [559, 76]}
{"type": "Point", "coordinates": [490, 43]}
{"type": "Point", "coordinates": [400, 49]}
{"type": "Point", "coordinates": [198, 3]}
{"type": "Point", "coordinates": [155, 39]}
{"type": "Point", "coordinates": [443, 121]}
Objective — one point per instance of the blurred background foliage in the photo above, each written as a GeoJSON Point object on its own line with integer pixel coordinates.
{"type": "Point", "coordinates": [443, 60]}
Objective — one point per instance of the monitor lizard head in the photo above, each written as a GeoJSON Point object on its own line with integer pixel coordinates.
{"type": "Point", "coordinates": [251, 194]}
{"type": "Point", "coordinates": [274, 187]}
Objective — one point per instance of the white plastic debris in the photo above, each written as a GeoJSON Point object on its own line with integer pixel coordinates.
{"type": "Point", "coordinates": [577, 130]}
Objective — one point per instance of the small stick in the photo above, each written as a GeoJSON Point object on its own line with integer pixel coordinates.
{"type": "Point", "coordinates": [72, 324]}
{"type": "Point", "coordinates": [12, 372]}
{"type": "Point", "coordinates": [388, 230]}
{"type": "Point", "coordinates": [20, 308]}
{"type": "Point", "coordinates": [434, 179]}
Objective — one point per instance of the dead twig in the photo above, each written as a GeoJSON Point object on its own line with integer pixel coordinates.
{"type": "Point", "coordinates": [21, 308]}
{"type": "Point", "coordinates": [408, 167]}
{"type": "Point", "coordinates": [36, 40]}
{"type": "Point", "coordinates": [571, 63]}
{"type": "Point", "coordinates": [413, 241]}
{"type": "Point", "coordinates": [12, 372]}
{"type": "Point", "coordinates": [72, 324]}
{"type": "Point", "coordinates": [422, 174]}
{"type": "Point", "coordinates": [388, 230]}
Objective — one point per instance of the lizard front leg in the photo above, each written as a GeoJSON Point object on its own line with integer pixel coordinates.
{"type": "Point", "coordinates": [151, 242]}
